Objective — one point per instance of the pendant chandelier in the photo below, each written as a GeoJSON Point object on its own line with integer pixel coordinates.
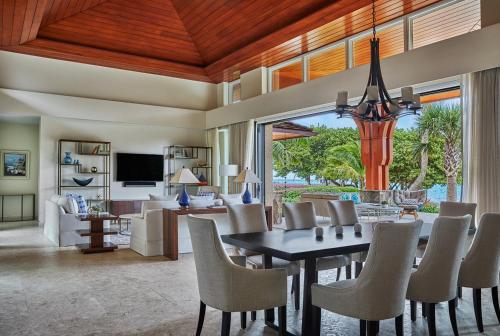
{"type": "Point", "coordinates": [376, 105]}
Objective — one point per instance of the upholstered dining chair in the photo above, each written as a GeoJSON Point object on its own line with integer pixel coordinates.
{"type": "Point", "coordinates": [379, 291]}
{"type": "Point", "coordinates": [344, 213]}
{"type": "Point", "coordinates": [228, 287]}
{"type": "Point", "coordinates": [303, 216]}
{"type": "Point", "coordinates": [245, 218]}
{"type": "Point", "coordinates": [481, 265]}
{"type": "Point", "coordinates": [436, 278]}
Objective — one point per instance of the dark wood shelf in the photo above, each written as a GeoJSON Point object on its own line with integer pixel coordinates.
{"type": "Point", "coordinates": [88, 233]}
{"type": "Point", "coordinates": [106, 247]}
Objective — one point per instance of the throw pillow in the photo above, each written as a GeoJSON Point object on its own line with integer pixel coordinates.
{"type": "Point", "coordinates": [82, 204]}
{"type": "Point", "coordinates": [72, 206]}
{"type": "Point", "coordinates": [208, 194]}
{"type": "Point", "coordinates": [410, 201]}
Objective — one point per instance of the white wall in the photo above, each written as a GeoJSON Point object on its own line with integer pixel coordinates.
{"type": "Point", "coordinates": [38, 74]}
{"type": "Point", "coordinates": [474, 51]}
{"type": "Point", "coordinates": [15, 135]}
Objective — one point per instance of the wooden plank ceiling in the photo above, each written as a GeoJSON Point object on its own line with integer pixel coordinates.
{"type": "Point", "coordinates": [202, 40]}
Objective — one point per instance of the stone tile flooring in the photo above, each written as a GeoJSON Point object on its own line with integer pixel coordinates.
{"type": "Point", "coordinates": [58, 291]}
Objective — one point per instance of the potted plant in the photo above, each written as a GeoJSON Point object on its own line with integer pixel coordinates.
{"type": "Point", "coordinates": [384, 204]}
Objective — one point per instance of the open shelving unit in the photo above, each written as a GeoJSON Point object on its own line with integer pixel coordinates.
{"type": "Point", "coordinates": [198, 159]}
{"type": "Point", "coordinates": [89, 153]}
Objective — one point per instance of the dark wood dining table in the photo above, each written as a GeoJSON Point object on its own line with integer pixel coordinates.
{"type": "Point", "coordinates": [295, 245]}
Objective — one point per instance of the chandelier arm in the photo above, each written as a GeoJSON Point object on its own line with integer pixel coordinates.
{"type": "Point", "coordinates": [380, 78]}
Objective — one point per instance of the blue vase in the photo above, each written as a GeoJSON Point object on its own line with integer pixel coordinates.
{"type": "Point", "coordinates": [184, 198]}
{"type": "Point", "coordinates": [67, 158]}
{"type": "Point", "coordinates": [247, 196]}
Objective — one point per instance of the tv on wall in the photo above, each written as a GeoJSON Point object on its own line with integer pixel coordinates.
{"type": "Point", "coordinates": [139, 167]}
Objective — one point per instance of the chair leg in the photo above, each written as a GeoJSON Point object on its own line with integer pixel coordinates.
{"type": "Point", "coordinates": [494, 293]}
{"type": "Point", "coordinates": [399, 325]}
{"type": "Point", "coordinates": [296, 291]}
{"type": "Point", "coordinates": [413, 310]}
{"type": "Point", "coordinates": [316, 315]}
{"type": "Point", "coordinates": [431, 318]}
{"type": "Point", "coordinates": [424, 309]}
{"type": "Point", "coordinates": [201, 318]}
{"type": "Point", "coordinates": [282, 320]}
{"type": "Point", "coordinates": [243, 318]}
{"type": "Point", "coordinates": [476, 297]}
{"type": "Point", "coordinates": [362, 327]}
{"type": "Point", "coordinates": [459, 292]}
{"type": "Point", "coordinates": [453, 316]}
{"type": "Point", "coordinates": [372, 328]}
{"type": "Point", "coordinates": [253, 315]}
{"type": "Point", "coordinates": [348, 272]}
{"type": "Point", "coordinates": [339, 271]}
{"type": "Point", "coordinates": [226, 324]}
{"type": "Point", "coordinates": [293, 285]}
{"type": "Point", "coordinates": [358, 268]}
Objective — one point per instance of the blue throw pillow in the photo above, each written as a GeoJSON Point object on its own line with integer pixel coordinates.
{"type": "Point", "coordinates": [345, 197]}
{"type": "Point", "coordinates": [82, 204]}
{"type": "Point", "coordinates": [355, 198]}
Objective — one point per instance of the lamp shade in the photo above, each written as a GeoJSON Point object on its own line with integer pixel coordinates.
{"type": "Point", "coordinates": [184, 176]}
{"type": "Point", "coordinates": [247, 176]}
{"type": "Point", "coordinates": [228, 170]}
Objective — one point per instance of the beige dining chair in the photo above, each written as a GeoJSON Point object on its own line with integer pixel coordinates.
{"type": "Point", "coordinates": [481, 265]}
{"type": "Point", "coordinates": [379, 291]}
{"type": "Point", "coordinates": [228, 287]}
{"type": "Point", "coordinates": [344, 213]}
{"type": "Point", "coordinates": [436, 278]}
{"type": "Point", "coordinates": [302, 215]}
{"type": "Point", "coordinates": [245, 218]}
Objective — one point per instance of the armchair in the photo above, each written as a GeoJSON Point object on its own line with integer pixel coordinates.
{"type": "Point", "coordinates": [410, 200]}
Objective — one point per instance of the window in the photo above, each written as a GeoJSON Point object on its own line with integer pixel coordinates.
{"type": "Point", "coordinates": [446, 21]}
{"type": "Point", "coordinates": [391, 43]}
{"type": "Point", "coordinates": [327, 62]}
{"type": "Point", "coordinates": [287, 75]}
{"type": "Point", "coordinates": [234, 91]}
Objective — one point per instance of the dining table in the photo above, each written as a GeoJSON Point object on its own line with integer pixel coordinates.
{"type": "Point", "coordinates": [298, 245]}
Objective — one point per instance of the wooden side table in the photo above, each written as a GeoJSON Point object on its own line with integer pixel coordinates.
{"type": "Point", "coordinates": [96, 233]}
{"type": "Point", "coordinates": [171, 226]}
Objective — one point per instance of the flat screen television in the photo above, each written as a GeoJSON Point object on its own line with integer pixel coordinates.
{"type": "Point", "coordinates": [139, 167]}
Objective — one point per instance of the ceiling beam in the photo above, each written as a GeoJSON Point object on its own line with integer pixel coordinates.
{"type": "Point", "coordinates": [88, 55]}
{"type": "Point", "coordinates": [20, 20]}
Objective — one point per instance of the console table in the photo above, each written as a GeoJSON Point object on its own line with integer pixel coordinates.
{"type": "Point", "coordinates": [96, 233]}
{"type": "Point", "coordinates": [171, 225]}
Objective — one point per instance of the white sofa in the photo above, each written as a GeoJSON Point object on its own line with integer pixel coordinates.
{"type": "Point", "coordinates": [60, 227]}
{"type": "Point", "coordinates": [147, 229]}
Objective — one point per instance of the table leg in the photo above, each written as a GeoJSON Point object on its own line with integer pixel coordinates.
{"type": "Point", "coordinates": [268, 263]}
{"type": "Point", "coordinates": [309, 321]}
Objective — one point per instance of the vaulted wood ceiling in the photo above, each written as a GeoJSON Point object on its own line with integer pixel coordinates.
{"type": "Point", "coordinates": [206, 40]}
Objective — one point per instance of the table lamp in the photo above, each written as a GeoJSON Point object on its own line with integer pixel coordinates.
{"type": "Point", "coordinates": [184, 176]}
{"type": "Point", "coordinates": [247, 176]}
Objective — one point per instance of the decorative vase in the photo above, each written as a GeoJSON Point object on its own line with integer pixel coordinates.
{"type": "Point", "coordinates": [184, 198]}
{"type": "Point", "coordinates": [319, 232]}
{"type": "Point", "coordinates": [247, 196]}
{"type": "Point", "coordinates": [67, 158]}
{"type": "Point", "coordinates": [339, 230]}
{"type": "Point", "coordinates": [357, 228]}
{"type": "Point", "coordinates": [93, 169]}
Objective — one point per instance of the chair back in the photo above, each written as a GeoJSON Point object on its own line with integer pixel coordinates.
{"type": "Point", "coordinates": [454, 209]}
{"type": "Point", "coordinates": [299, 215]}
{"type": "Point", "coordinates": [342, 212]}
{"type": "Point", "coordinates": [213, 266]}
{"type": "Point", "coordinates": [481, 265]}
{"type": "Point", "coordinates": [387, 270]}
{"type": "Point", "coordinates": [245, 218]}
{"type": "Point", "coordinates": [437, 275]}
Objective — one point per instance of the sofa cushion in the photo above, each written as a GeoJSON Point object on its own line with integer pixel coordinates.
{"type": "Point", "coordinates": [162, 198]}
{"type": "Point", "coordinates": [201, 203]}
{"type": "Point", "coordinates": [72, 206]}
{"type": "Point", "coordinates": [206, 194]}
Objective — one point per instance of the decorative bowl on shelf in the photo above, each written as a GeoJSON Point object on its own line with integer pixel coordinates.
{"type": "Point", "coordinates": [83, 182]}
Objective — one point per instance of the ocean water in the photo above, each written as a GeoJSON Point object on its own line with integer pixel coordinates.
{"type": "Point", "coordinates": [435, 194]}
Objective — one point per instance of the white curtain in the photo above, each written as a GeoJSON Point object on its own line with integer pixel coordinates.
{"type": "Point", "coordinates": [213, 141]}
{"type": "Point", "coordinates": [241, 148]}
{"type": "Point", "coordinates": [482, 140]}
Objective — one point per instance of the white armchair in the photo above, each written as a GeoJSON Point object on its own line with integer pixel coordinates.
{"type": "Point", "coordinates": [60, 227]}
{"type": "Point", "coordinates": [146, 237]}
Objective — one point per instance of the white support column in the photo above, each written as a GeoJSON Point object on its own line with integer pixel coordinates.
{"type": "Point", "coordinates": [253, 83]}
{"type": "Point", "coordinates": [222, 94]}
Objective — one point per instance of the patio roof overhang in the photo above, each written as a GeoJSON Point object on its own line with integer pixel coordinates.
{"type": "Point", "coordinates": [288, 130]}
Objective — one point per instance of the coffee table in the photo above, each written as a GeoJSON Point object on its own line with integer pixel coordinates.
{"type": "Point", "coordinates": [96, 232]}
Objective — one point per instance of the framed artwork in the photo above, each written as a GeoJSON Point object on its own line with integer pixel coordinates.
{"type": "Point", "coordinates": [15, 164]}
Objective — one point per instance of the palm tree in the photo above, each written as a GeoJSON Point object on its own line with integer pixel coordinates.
{"type": "Point", "coordinates": [445, 121]}
{"type": "Point", "coordinates": [344, 164]}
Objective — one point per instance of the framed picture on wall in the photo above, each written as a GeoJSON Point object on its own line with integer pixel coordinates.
{"type": "Point", "coordinates": [15, 164]}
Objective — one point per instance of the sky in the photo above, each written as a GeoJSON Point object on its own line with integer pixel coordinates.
{"type": "Point", "coordinates": [331, 121]}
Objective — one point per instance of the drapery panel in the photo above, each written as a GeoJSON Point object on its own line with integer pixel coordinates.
{"type": "Point", "coordinates": [213, 141]}
{"type": "Point", "coordinates": [482, 140]}
{"type": "Point", "coordinates": [241, 148]}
